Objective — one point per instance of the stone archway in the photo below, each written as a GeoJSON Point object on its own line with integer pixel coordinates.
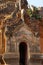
{"type": "Point", "coordinates": [23, 53]}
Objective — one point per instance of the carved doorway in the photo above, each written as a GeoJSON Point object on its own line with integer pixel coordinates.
{"type": "Point", "coordinates": [23, 53]}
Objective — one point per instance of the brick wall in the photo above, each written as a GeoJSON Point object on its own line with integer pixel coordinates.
{"type": "Point", "coordinates": [41, 38]}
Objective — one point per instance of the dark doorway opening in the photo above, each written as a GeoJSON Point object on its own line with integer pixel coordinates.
{"type": "Point", "coordinates": [23, 53]}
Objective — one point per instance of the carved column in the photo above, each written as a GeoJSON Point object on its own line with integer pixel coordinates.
{"type": "Point", "coordinates": [3, 41]}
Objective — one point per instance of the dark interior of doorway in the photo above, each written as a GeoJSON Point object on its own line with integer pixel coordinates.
{"type": "Point", "coordinates": [23, 53]}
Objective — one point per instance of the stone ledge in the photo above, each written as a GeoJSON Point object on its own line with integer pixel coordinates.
{"type": "Point", "coordinates": [10, 55]}
{"type": "Point", "coordinates": [37, 57]}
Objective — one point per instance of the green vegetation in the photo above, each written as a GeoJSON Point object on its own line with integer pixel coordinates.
{"type": "Point", "coordinates": [29, 12]}
{"type": "Point", "coordinates": [34, 14]}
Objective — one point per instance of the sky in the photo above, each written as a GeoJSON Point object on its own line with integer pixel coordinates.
{"type": "Point", "coordinates": [37, 3]}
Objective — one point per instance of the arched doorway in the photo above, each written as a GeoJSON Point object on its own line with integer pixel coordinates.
{"type": "Point", "coordinates": [23, 53]}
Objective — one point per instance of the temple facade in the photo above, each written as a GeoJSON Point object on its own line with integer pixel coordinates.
{"type": "Point", "coordinates": [18, 32]}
